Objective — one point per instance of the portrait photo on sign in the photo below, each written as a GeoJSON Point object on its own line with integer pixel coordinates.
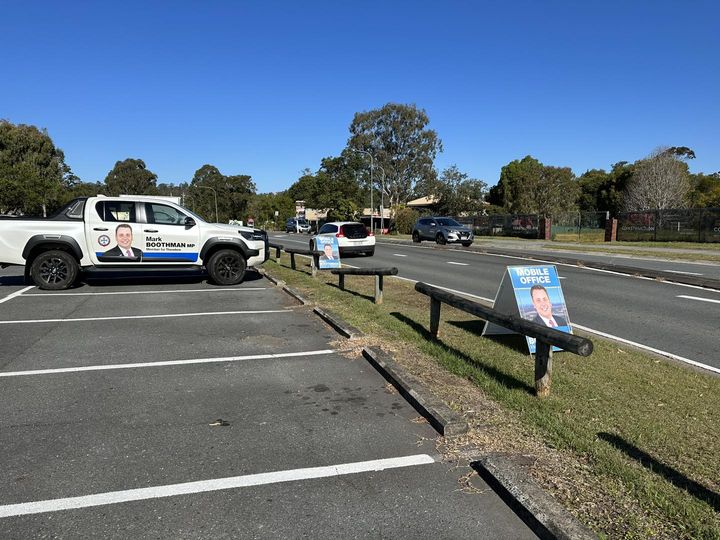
{"type": "Point", "coordinates": [329, 252]}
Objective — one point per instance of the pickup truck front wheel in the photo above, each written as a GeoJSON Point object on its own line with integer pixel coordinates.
{"type": "Point", "coordinates": [226, 267]}
{"type": "Point", "coordinates": [54, 270]}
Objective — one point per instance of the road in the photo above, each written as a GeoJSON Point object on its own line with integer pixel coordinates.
{"type": "Point", "coordinates": [680, 320]}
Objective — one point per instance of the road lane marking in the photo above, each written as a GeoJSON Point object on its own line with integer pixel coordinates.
{"type": "Point", "coordinates": [681, 272]}
{"type": "Point", "coordinates": [647, 348]}
{"type": "Point", "coordinates": [171, 315]}
{"type": "Point", "coordinates": [590, 330]}
{"type": "Point", "coordinates": [457, 263]}
{"type": "Point", "coordinates": [698, 298]}
{"type": "Point", "coordinates": [16, 294]}
{"type": "Point", "coordinates": [399, 255]}
{"type": "Point", "coordinates": [165, 363]}
{"type": "Point", "coordinates": [173, 291]}
{"type": "Point", "coordinates": [538, 259]}
{"type": "Point", "coordinates": [204, 486]}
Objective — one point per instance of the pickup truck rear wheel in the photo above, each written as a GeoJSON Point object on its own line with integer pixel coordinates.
{"type": "Point", "coordinates": [226, 267]}
{"type": "Point", "coordinates": [54, 270]}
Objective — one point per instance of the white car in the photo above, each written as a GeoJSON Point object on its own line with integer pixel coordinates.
{"type": "Point", "coordinates": [353, 237]}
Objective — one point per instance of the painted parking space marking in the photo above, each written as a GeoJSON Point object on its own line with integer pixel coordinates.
{"type": "Point", "coordinates": [16, 294]}
{"type": "Point", "coordinates": [698, 299]}
{"type": "Point", "coordinates": [204, 486]}
{"type": "Point", "coordinates": [399, 255]}
{"type": "Point", "coordinates": [124, 293]}
{"type": "Point", "coordinates": [166, 363]}
{"type": "Point", "coordinates": [166, 316]}
{"type": "Point", "coordinates": [458, 263]}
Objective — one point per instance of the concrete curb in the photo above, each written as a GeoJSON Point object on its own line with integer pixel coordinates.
{"type": "Point", "coordinates": [338, 324]}
{"type": "Point", "coordinates": [707, 283]}
{"type": "Point", "coordinates": [543, 514]}
{"type": "Point", "coordinates": [296, 295]}
{"type": "Point", "coordinates": [441, 417]}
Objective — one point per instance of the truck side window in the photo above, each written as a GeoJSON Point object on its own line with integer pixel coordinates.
{"type": "Point", "coordinates": [163, 214]}
{"type": "Point", "coordinates": [116, 211]}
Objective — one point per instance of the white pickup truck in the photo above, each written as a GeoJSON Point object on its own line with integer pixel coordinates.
{"type": "Point", "coordinates": [127, 233]}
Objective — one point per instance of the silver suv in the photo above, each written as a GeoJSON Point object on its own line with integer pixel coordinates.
{"type": "Point", "coordinates": [443, 230]}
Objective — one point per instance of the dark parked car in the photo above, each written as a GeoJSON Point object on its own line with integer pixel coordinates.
{"type": "Point", "coordinates": [443, 230]}
{"type": "Point", "coordinates": [297, 225]}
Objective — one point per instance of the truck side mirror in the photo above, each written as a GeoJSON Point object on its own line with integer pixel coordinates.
{"type": "Point", "coordinates": [189, 223]}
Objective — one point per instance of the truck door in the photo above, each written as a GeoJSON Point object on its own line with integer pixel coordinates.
{"type": "Point", "coordinates": [168, 234]}
{"type": "Point", "coordinates": [112, 233]}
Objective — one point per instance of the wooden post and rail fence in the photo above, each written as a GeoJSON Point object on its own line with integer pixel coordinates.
{"type": "Point", "coordinates": [545, 337]}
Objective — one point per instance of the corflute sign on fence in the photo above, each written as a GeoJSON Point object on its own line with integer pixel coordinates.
{"type": "Point", "coordinates": [330, 251]}
{"type": "Point", "coordinates": [535, 294]}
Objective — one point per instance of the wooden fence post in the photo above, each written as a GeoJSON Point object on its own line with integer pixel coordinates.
{"type": "Point", "coordinates": [292, 261]}
{"type": "Point", "coordinates": [378, 289]}
{"type": "Point", "coordinates": [434, 317]}
{"type": "Point", "coordinates": [543, 368]}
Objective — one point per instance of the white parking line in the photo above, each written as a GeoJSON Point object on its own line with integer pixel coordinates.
{"type": "Point", "coordinates": [204, 486]}
{"type": "Point", "coordinates": [698, 298]}
{"type": "Point", "coordinates": [16, 294]}
{"type": "Point", "coordinates": [173, 291]}
{"type": "Point", "coordinates": [164, 363]}
{"type": "Point", "coordinates": [458, 263]}
{"type": "Point", "coordinates": [399, 255]}
{"type": "Point", "coordinates": [681, 272]}
{"type": "Point", "coordinates": [169, 316]}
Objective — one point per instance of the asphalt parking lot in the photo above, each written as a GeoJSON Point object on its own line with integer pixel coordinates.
{"type": "Point", "coordinates": [176, 409]}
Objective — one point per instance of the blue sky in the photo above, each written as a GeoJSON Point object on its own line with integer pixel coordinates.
{"type": "Point", "coordinates": [269, 88]}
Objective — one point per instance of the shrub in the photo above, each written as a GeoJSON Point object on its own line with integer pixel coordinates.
{"type": "Point", "coordinates": [405, 218]}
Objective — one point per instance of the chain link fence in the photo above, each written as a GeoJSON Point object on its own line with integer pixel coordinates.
{"type": "Point", "coordinates": [520, 225]}
{"type": "Point", "coordinates": [676, 225]}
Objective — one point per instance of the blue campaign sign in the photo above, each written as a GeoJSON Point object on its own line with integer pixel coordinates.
{"type": "Point", "coordinates": [330, 256]}
{"type": "Point", "coordinates": [538, 297]}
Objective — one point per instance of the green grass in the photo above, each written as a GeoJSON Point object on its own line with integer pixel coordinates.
{"type": "Point", "coordinates": [644, 424]}
{"type": "Point", "coordinates": [640, 252]}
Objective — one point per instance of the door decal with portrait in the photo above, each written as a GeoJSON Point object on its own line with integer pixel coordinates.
{"type": "Point", "coordinates": [123, 249]}
{"type": "Point", "coordinates": [535, 294]}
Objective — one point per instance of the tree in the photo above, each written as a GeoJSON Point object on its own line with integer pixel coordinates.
{"type": "Point", "coordinates": [33, 172]}
{"type": "Point", "coordinates": [529, 187]}
{"type": "Point", "coordinates": [232, 194]}
{"type": "Point", "coordinates": [706, 190]}
{"type": "Point", "coordinates": [335, 187]}
{"type": "Point", "coordinates": [131, 177]}
{"type": "Point", "coordinates": [263, 206]}
{"type": "Point", "coordinates": [457, 193]}
{"type": "Point", "coordinates": [400, 142]}
{"type": "Point", "coordinates": [660, 181]}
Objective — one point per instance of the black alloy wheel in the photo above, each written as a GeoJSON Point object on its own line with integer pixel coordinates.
{"type": "Point", "coordinates": [416, 237]}
{"type": "Point", "coordinates": [440, 239]}
{"type": "Point", "coordinates": [54, 270]}
{"type": "Point", "coordinates": [227, 267]}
